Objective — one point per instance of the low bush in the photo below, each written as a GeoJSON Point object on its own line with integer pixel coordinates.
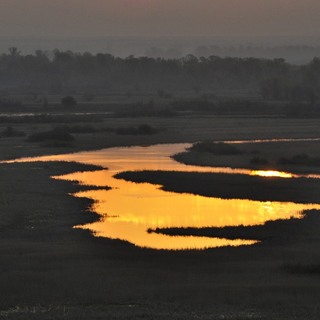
{"type": "Point", "coordinates": [56, 134]}
{"type": "Point", "coordinates": [52, 118]}
{"type": "Point", "coordinates": [76, 128]}
{"type": "Point", "coordinates": [11, 132]}
{"type": "Point", "coordinates": [143, 129]}
{"type": "Point", "coordinates": [55, 144]}
{"type": "Point", "coordinates": [300, 160]}
{"type": "Point", "coordinates": [216, 148]}
{"type": "Point", "coordinates": [68, 102]}
{"type": "Point", "coordinates": [259, 161]}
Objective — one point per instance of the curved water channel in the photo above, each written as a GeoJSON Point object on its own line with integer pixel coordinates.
{"type": "Point", "coordinates": [129, 209]}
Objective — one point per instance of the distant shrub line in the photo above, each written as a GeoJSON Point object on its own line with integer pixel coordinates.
{"type": "Point", "coordinates": [76, 128]}
{"type": "Point", "coordinates": [143, 129]}
{"type": "Point", "coordinates": [259, 161]}
{"type": "Point", "coordinates": [61, 136]}
{"type": "Point", "coordinates": [218, 148]}
{"type": "Point", "coordinates": [11, 132]}
{"type": "Point", "coordinates": [51, 118]}
{"type": "Point", "coordinates": [56, 134]}
{"type": "Point", "coordinates": [301, 160]}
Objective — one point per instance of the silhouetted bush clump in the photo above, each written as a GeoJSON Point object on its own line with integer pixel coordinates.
{"type": "Point", "coordinates": [300, 160]}
{"type": "Point", "coordinates": [11, 132]}
{"type": "Point", "coordinates": [55, 144]}
{"type": "Point", "coordinates": [52, 118]}
{"type": "Point", "coordinates": [9, 102]}
{"type": "Point", "coordinates": [68, 102]}
{"type": "Point", "coordinates": [216, 148]}
{"type": "Point", "coordinates": [259, 161]}
{"type": "Point", "coordinates": [56, 134]}
{"type": "Point", "coordinates": [143, 129]}
{"type": "Point", "coordinates": [76, 128]}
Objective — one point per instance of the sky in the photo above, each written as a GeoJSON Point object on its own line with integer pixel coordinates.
{"type": "Point", "coordinates": [99, 18]}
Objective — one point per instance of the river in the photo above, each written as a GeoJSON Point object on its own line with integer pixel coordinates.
{"type": "Point", "coordinates": [129, 209]}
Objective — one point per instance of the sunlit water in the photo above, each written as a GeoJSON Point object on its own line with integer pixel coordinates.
{"type": "Point", "coordinates": [129, 209]}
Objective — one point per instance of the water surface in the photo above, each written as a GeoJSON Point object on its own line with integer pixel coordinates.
{"type": "Point", "coordinates": [129, 209]}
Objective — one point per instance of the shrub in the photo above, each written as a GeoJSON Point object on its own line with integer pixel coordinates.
{"type": "Point", "coordinates": [52, 135]}
{"type": "Point", "coordinates": [300, 160]}
{"type": "Point", "coordinates": [146, 129]}
{"type": "Point", "coordinates": [68, 102]}
{"type": "Point", "coordinates": [55, 144]}
{"type": "Point", "coordinates": [11, 132]}
{"type": "Point", "coordinates": [143, 129]}
{"type": "Point", "coordinates": [76, 128]}
{"type": "Point", "coordinates": [216, 148]}
{"type": "Point", "coordinates": [259, 161]}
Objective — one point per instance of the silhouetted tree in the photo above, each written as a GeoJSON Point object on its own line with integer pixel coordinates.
{"type": "Point", "coordinates": [66, 71]}
{"type": "Point", "coordinates": [68, 102]}
{"type": "Point", "coordinates": [14, 52]}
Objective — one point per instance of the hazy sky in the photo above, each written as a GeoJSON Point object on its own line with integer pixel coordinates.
{"type": "Point", "coordinates": [158, 17]}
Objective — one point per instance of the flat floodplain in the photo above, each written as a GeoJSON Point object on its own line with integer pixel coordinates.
{"type": "Point", "coordinates": [51, 270]}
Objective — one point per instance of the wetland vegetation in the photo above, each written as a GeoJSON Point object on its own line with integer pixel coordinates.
{"type": "Point", "coordinates": [49, 270]}
{"type": "Point", "coordinates": [232, 186]}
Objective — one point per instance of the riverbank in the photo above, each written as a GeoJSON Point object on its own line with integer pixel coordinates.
{"type": "Point", "coordinates": [49, 270]}
{"type": "Point", "coordinates": [170, 130]}
{"type": "Point", "coordinates": [232, 186]}
{"type": "Point", "coordinates": [300, 157]}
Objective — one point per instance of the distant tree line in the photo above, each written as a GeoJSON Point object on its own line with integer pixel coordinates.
{"type": "Point", "coordinates": [66, 72]}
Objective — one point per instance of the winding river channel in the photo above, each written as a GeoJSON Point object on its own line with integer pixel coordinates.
{"type": "Point", "coordinates": [129, 209]}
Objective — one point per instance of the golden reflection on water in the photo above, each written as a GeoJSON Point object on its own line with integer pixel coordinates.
{"type": "Point", "coordinates": [129, 212]}
{"type": "Point", "coordinates": [272, 173]}
{"type": "Point", "coordinates": [129, 209]}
